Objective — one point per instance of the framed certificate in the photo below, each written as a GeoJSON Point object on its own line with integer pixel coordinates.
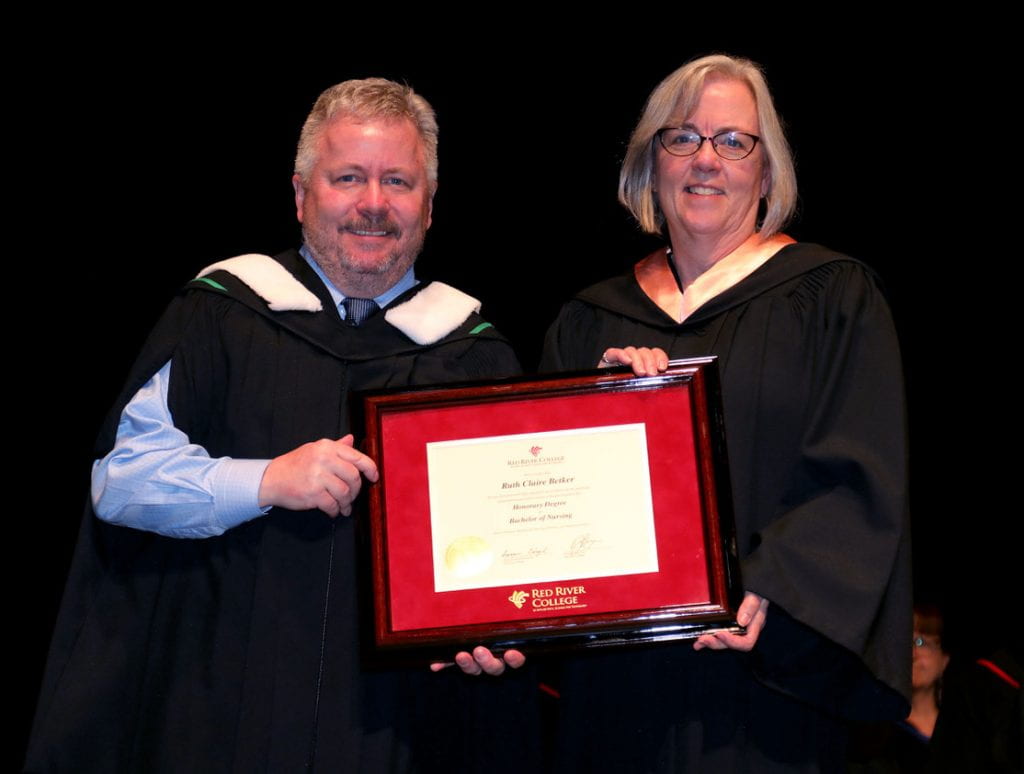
{"type": "Point", "coordinates": [577, 510]}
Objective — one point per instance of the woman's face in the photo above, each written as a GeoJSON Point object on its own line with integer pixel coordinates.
{"type": "Point", "coordinates": [929, 660]}
{"type": "Point", "coordinates": [705, 197]}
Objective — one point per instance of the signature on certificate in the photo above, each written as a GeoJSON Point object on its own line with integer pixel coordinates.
{"type": "Point", "coordinates": [517, 557]}
{"type": "Point", "coordinates": [581, 545]}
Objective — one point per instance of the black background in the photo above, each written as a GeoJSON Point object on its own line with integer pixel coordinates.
{"type": "Point", "coordinates": [141, 162]}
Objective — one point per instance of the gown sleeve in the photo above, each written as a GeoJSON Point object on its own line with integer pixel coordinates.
{"type": "Point", "coordinates": [834, 554]}
{"type": "Point", "coordinates": [578, 337]}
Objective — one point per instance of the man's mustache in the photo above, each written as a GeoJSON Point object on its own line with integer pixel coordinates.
{"type": "Point", "coordinates": [372, 225]}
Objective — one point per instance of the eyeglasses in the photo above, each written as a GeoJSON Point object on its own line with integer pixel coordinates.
{"type": "Point", "coordinates": [729, 145]}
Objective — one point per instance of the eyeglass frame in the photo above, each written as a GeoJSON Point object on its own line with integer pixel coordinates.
{"type": "Point", "coordinates": [714, 145]}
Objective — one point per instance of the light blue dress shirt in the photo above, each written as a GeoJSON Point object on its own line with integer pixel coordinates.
{"type": "Point", "coordinates": [155, 479]}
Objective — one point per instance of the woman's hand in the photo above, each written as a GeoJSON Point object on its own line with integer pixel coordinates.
{"type": "Point", "coordinates": [645, 361]}
{"type": "Point", "coordinates": [751, 614]}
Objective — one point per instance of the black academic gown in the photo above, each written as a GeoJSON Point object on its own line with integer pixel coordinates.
{"type": "Point", "coordinates": [241, 652]}
{"type": "Point", "coordinates": [814, 414]}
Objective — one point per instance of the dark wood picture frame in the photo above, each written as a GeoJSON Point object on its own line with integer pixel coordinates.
{"type": "Point", "coordinates": [697, 586]}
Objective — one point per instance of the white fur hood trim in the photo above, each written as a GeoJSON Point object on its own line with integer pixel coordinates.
{"type": "Point", "coordinates": [270, 281]}
{"type": "Point", "coordinates": [432, 313]}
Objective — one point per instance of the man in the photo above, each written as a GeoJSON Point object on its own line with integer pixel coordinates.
{"type": "Point", "coordinates": [210, 617]}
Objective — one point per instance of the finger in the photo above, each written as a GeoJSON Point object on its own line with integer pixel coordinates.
{"type": "Point", "coordinates": [655, 360]}
{"type": "Point", "coordinates": [437, 666]}
{"type": "Point", "coordinates": [748, 608]}
{"type": "Point", "coordinates": [660, 359]}
{"type": "Point", "coordinates": [708, 641]}
{"type": "Point", "coordinates": [328, 505]}
{"type": "Point", "coordinates": [467, 663]}
{"type": "Point", "coordinates": [613, 356]}
{"type": "Point", "coordinates": [343, 471]}
{"type": "Point", "coordinates": [340, 493]}
{"type": "Point", "coordinates": [645, 361]}
{"type": "Point", "coordinates": [487, 662]}
{"type": "Point", "coordinates": [756, 626]}
{"type": "Point", "coordinates": [649, 361]}
{"type": "Point", "coordinates": [637, 360]}
{"type": "Point", "coordinates": [514, 658]}
{"type": "Point", "coordinates": [623, 356]}
{"type": "Point", "coordinates": [366, 466]}
{"type": "Point", "coordinates": [732, 641]}
{"type": "Point", "coordinates": [352, 456]}
{"type": "Point", "coordinates": [753, 605]}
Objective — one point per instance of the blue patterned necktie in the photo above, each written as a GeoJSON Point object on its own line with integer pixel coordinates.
{"type": "Point", "coordinates": [358, 309]}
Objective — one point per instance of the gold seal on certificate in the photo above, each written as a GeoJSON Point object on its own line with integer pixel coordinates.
{"type": "Point", "coordinates": [468, 556]}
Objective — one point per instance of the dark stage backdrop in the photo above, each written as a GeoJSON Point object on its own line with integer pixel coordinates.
{"type": "Point", "coordinates": [156, 161]}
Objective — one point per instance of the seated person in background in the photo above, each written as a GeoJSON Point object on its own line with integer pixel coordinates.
{"type": "Point", "coordinates": [904, 746]}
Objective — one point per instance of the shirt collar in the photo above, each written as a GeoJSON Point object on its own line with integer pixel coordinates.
{"type": "Point", "coordinates": [407, 281]}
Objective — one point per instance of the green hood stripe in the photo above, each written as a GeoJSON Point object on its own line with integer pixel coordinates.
{"type": "Point", "coordinates": [211, 283]}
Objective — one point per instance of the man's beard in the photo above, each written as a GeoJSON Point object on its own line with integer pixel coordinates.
{"type": "Point", "coordinates": [345, 269]}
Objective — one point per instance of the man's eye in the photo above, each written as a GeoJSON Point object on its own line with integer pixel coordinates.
{"type": "Point", "coordinates": [396, 181]}
{"type": "Point", "coordinates": [347, 179]}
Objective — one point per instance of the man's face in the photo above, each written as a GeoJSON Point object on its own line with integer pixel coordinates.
{"type": "Point", "coordinates": [367, 204]}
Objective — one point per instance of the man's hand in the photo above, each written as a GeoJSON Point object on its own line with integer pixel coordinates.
{"type": "Point", "coordinates": [645, 361]}
{"type": "Point", "coordinates": [323, 474]}
{"type": "Point", "coordinates": [482, 661]}
{"type": "Point", "coordinates": [752, 613]}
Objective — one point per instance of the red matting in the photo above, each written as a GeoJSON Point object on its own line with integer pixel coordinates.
{"type": "Point", "coordinates": [682, 575]}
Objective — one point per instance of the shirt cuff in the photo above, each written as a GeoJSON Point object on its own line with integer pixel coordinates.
{"type": "Point", "coordinates": [236, 490]}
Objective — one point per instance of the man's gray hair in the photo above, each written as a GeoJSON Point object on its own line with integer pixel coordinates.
{"type": "Point", "coordinates": [367, 100]}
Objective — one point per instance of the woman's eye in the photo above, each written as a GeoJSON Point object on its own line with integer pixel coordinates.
{"type": "Point", "coordinates": [679, 138]}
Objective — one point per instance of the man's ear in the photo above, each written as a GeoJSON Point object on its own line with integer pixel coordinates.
{"type": "Point", "coordinates": [430, 207]}
{"type": "Point", "coordinates": [300, 195]}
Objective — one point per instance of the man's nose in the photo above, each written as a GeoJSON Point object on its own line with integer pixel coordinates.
{"type": "Point", "coordinates": [374, 199]}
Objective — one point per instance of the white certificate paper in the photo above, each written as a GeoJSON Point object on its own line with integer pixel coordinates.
{"type": "Point", "coordinates": [541, 507]}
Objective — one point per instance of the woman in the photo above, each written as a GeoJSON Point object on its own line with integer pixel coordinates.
{"type": "Point", "coordinates": [904, 746]}
{"type": "Point", "coordinates": [929, 663]}
{"type": "Point", "coordinates": [814, 421]}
